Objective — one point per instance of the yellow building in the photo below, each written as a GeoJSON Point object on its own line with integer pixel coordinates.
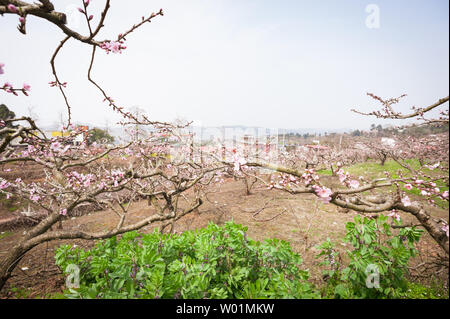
{"type": "Point", "coordinates": [59, 133]}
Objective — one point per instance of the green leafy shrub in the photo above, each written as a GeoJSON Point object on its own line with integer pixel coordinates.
{"type": "Point", "coordinates": [215, 262]}
{"type": "Point", "coordinates": [418, 291]}
{"type": "Point", "coordinates": [376, 250]}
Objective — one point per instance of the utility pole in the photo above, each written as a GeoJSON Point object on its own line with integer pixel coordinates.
{"type": "Point", "coordinates": [223, 143]}
{"type": "Point", "coordinates": [137, 127]}
{"type": "Point", "coordinates": [191, 148]}
{"type": "Point", "coordinates": [107, 125]}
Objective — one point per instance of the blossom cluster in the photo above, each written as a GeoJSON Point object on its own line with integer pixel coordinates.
{"type": "Point", "coordinates": [345, 178]}
{"type": "Point", "coordinates": [77, 180]}
{"type": "Point", "coordinates": [9, 88]}
{"type": "Point", "coordinates": [285, 180]}
{"type": "Point", "coordinates": [239, 163]}
{"type": "Point", "coordinates": [113, 46]}
{"type": "Point", "coordinates": [445, 229]}
{"type": "Point", "coordinates": [427, 189]}
{"type": "Point", "coordinates": [394, 214]}
{"type": "Point", "coordinates": [309, 176]}
{"type": "Point", "coordinates": [323, 193]}
{"type": "Point", "coordinates": [57, 84]}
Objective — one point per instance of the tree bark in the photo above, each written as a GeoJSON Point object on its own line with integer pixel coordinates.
{"type": "Point", "coordinates": [382, 204]}
{"type": "Point", "coordinates": [427, 222]}
{"type": "Point", "coordinates": [383, 159]}
{"type": "Point", "coordinates": [9, 262]}
{"type": "Point", "coordinates": [40, 234]}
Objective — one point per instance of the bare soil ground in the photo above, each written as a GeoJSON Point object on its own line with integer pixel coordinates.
{"type": "Point", "coordinates": [301, 220]}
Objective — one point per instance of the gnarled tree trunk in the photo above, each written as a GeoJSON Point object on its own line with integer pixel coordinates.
{"type": "Point", "coordinates": [9, 262]}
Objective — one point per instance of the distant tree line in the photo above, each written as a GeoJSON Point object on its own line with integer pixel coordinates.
{"type": "Point", "coordinates": [99, 136]}
{"type": "Point", "coordinates": [6, 113]}
{"type": "Point", "coordinates": [414, 130]}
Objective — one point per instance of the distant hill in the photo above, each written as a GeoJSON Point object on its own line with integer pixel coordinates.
{"type": "Point", "coordinates": [215, 132]}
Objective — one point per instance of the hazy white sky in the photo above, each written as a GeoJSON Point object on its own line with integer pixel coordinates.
{"type": "Point", "coordinates": [285, 63]}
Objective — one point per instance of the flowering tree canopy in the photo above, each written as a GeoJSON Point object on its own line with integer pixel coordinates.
{"type": "Point", "coordinates": [431, 151]}
{"type": "Point", "coordinates": [170, 178]}
{"type": "Point", "coordinates": [100, 177]}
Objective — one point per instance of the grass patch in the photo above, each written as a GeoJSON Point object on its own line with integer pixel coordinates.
{"type": "Point", "coordinates": [10, 204]}
{"type": "Point", "coordinates": [419, 291]}
{"type": "Point", "coordinates": [12, 209]}
{"type": "Point", "coordinates": [5, 234]}
{"type": "Point", "coordinates": [21, 293]}
{"type": "Point", "coordinates": [325, 172]}
{"type": "Point", "coordinates": [374, 170]}
{"type": "Point", "coordinates": [56, 295]}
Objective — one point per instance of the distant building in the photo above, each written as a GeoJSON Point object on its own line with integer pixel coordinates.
{"type": "Point", "coordinates": [388, 141]}
{"type": "Point", "coordinates": [77, 139]}
{"type": "Point", "coordinates": [317, 147]}
{"type": "Point", "coordinates": [249, 142]}
{"type": "Point", "coordinates": [60, 134]}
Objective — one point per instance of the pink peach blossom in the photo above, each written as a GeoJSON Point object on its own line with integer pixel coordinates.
{"type": "Point", "coordinates": [445, 229]}
{"type": "Point", "coordinates": [4, 184]}
{"type": "Point", "coordinates": [354, 184]}
{"type": "Point", "coordinates": [394, 215]}
{"type": "Point", "coordinates": [13, 8]}
{"type": "Point", "coordinates": [406, 201]}
{"type": "Point", "coordinates": [323, 193]}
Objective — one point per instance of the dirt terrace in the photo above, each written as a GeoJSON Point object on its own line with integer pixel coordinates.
{"type": "Point", "coordinates": [301, 220]}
